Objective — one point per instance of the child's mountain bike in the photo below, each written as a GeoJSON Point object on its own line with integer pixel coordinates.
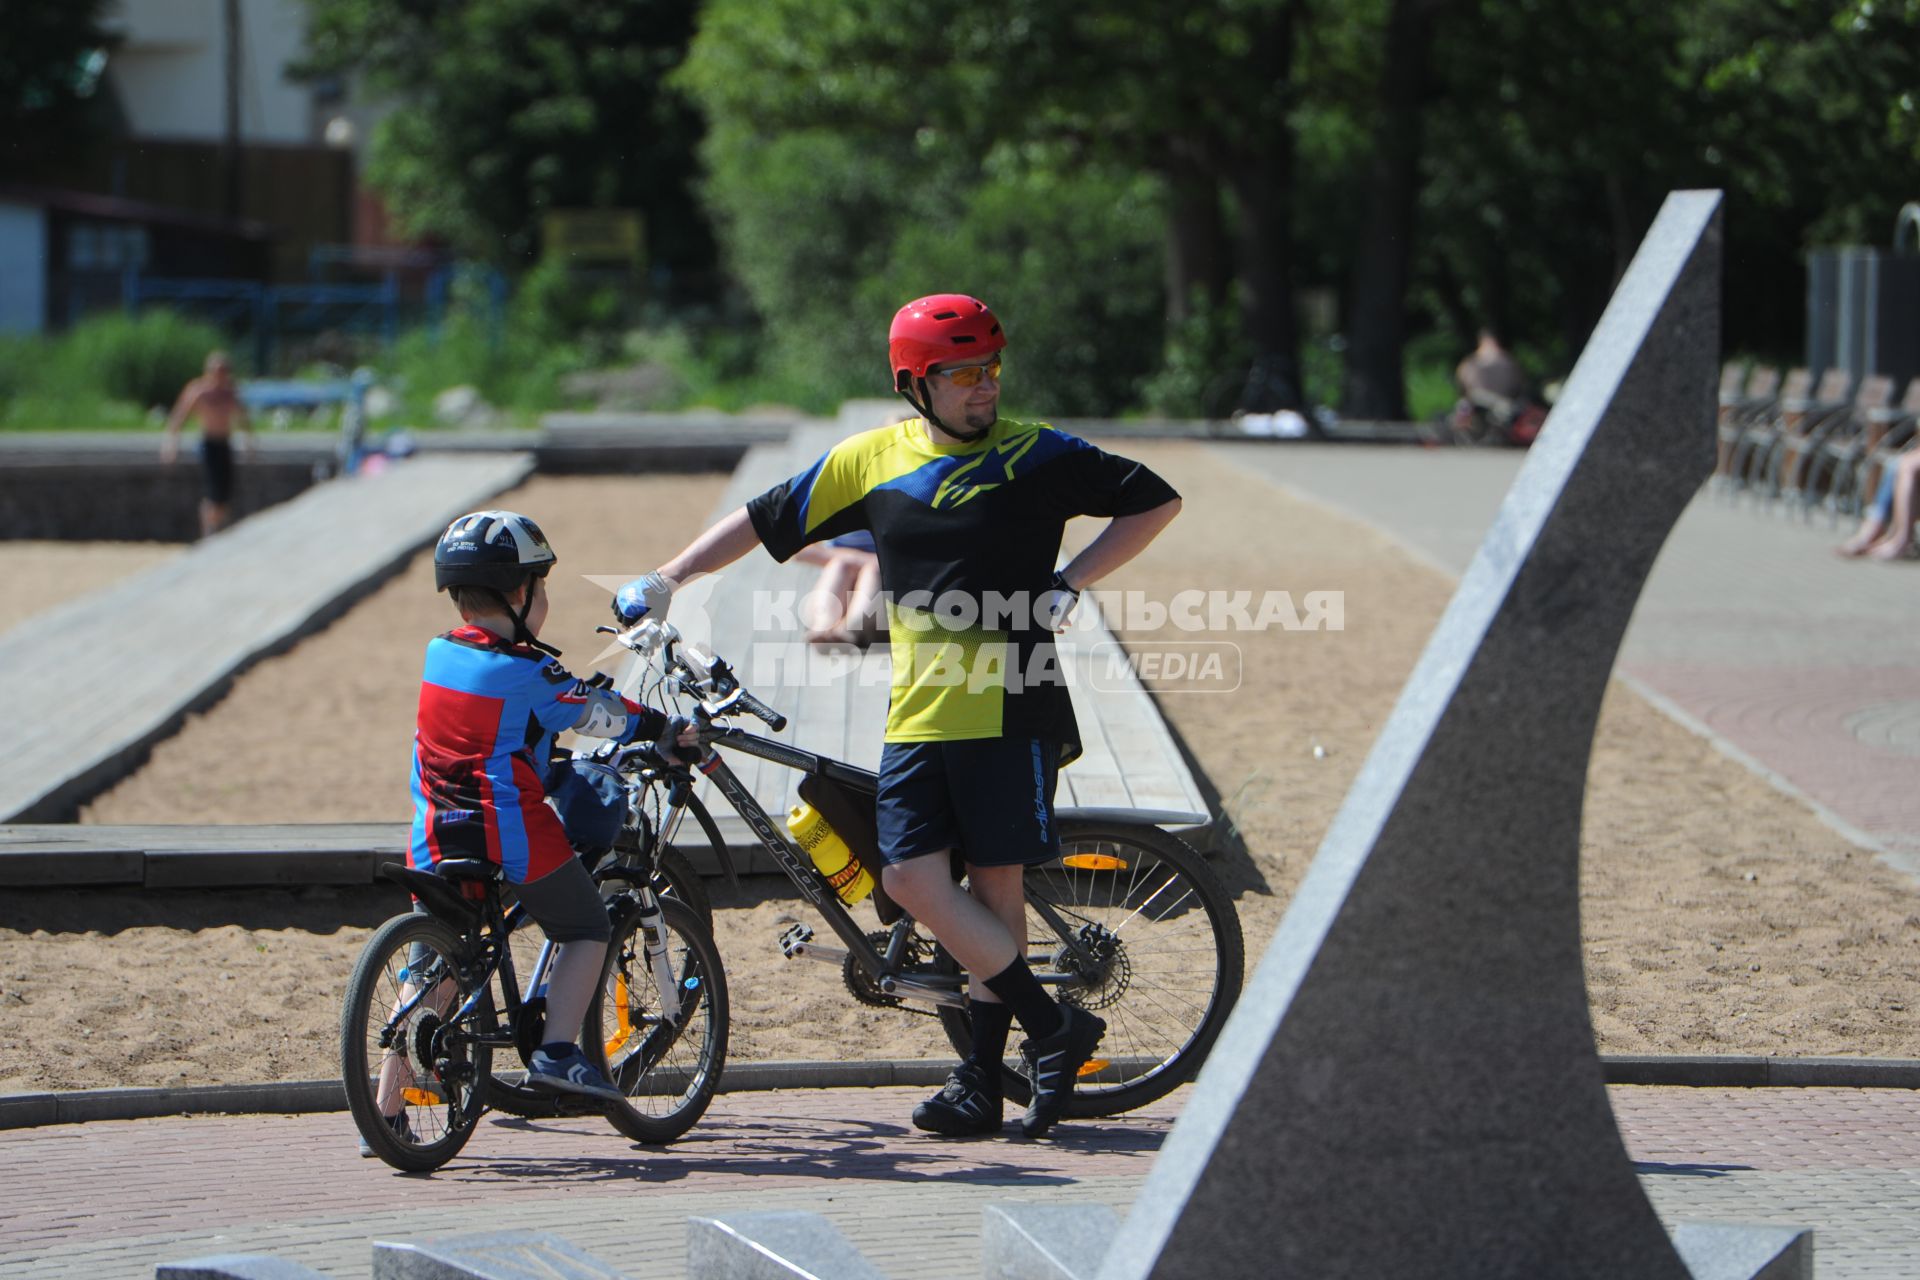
{"type": "Point", "coordinates": [437, 994]}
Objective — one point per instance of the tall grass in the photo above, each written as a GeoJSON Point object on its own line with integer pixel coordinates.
{"type": "Point", "coordinates": [110, 370]}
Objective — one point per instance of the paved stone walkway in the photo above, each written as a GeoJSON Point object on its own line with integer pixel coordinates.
{"type": "Point", "coordinates": [112, 1199]}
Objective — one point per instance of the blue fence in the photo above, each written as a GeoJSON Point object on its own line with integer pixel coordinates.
{"type": "Point", "coordinates": [270, 313]}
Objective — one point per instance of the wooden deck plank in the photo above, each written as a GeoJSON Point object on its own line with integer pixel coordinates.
{"type": "Point", "coordinates": [87, 686]}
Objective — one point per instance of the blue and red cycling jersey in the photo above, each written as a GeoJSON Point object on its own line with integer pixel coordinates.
{"type": "Point", "coordinates": [489, 710]}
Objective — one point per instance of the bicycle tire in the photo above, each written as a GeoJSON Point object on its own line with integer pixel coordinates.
{"type": "Point", "coordinates": [674, 877]}
{"type": "Point", "coordinates": [440, 1112]}
{"type": "Point", "coordinates": [1173, 960]}
{"type": "Point", "coordinates": [669, 1073]}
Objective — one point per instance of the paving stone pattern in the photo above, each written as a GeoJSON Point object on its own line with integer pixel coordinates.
{"type": "Point", "coordinates": [113, 1199]}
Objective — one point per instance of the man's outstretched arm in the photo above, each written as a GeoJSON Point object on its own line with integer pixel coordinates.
{"type": "Point", "coordinates": [731, 537]}
{"type": "Point", "coordinates": [648, 597]}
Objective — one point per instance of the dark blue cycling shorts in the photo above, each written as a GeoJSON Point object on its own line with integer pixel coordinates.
{"type": "Point", "coordinates": [990, 798]}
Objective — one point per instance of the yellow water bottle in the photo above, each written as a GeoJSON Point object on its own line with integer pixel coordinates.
{"type": "Point", "coordinates": [829, 852]}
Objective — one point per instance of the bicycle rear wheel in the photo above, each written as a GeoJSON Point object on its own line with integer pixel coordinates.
{"type": "Point", "coordinates": [1152, 945]}
{"type": "Point", "coordinates": [669, 1068]}
{"type": "Point", "coordinates": [415, 1079]}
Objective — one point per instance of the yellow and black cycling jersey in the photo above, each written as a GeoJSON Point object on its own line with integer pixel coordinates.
{"type": "Point", "coordinates": [968, 537]}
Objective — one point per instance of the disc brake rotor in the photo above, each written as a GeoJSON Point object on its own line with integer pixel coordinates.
{"type": "Point", "coordinates": [1104, 972]}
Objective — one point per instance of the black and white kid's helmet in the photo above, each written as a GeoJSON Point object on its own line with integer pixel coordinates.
{"type": "Point", "coordinates": [498, 549]}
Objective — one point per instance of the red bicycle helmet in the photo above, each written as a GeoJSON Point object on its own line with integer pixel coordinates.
{"type": "Point", "coordinates": [941, 327]}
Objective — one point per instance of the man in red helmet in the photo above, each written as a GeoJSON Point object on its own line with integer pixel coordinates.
{"type": "Point", "coordinates": [966, 510]}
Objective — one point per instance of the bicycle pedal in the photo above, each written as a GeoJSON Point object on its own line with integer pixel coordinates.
{"type": "Point", "coordinates": [794, 941]}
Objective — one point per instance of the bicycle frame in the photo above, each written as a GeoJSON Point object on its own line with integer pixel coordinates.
{"type": "Point", "coordinates": [493, 933]}
{"type": "Point", "coordinates": [881, 967]}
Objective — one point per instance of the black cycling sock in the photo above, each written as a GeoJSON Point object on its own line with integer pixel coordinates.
{"type": "Point", "coordinates": [991, 1023]}
{"type": "Point", "coordinates": [1039, 1016]}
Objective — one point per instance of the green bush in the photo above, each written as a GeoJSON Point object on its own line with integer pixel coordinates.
{"type": "Point", "coordinates": [1068, 258]}
{"type": "Point", "coordinates": [829, 242]}
{"type": "Point", "coordinates": [141, 359]}
{"type": "Point", "coordinates": [1205, 365]}
{"type": "Point", "coordinates": [1431, 392]}
{"type": "Point", "coordinates": [107, 371]}
{"type": "Point", "coordinates": [516, 366]}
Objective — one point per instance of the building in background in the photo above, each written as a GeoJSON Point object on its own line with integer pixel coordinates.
{"type": "Point", "coordinates": [221, 166]}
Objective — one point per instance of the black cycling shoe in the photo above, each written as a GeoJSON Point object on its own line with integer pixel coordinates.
{"type": "Point", "coordinates": [967, 1106]}
{"type": "Point", "coordinates": [1053, 1064]}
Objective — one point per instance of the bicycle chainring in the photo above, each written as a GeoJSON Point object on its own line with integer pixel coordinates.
{"type": "Point", "coordinates": [863, 987]}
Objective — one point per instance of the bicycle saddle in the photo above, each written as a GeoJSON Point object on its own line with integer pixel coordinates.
{"type": "Point", "coordinates": [435, 889]}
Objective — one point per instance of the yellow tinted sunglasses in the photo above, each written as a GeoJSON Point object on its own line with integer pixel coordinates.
{"type": "Point", "coordinates": [969, 375]}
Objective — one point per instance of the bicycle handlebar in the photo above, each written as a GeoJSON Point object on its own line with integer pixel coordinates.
{"type": "Point", "coordinates": [700, 674]}
{"type": "Point", "coordinates": [774, 719]}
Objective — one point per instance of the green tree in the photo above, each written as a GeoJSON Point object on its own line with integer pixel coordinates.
{"type": "Point", "coordinates": [1197, 101]}
{"type": "Point", "coordinates": [509, 108]}
{"type": "Point", "coordinates": [1553, 134]}
{"type": "Point", "coordinates": [50, 65]}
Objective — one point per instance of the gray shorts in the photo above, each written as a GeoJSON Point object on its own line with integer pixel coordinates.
{"type": "Point", "coordinates": [566, 904]}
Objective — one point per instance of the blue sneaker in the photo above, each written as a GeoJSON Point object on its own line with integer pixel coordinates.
{"type": "Point", "coordinates": [568, 1071]}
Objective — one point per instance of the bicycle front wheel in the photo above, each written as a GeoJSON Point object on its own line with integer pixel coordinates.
{"type": "Point", "coordinates": [1130, 923]}
{"type": "Point", "coordinates": [668, 1065]}
{"type": "Point", "coordinates": [414, 1074]}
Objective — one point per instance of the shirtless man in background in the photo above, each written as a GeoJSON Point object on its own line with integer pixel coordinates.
{"type": "Point", "coordinates": [213, 399]}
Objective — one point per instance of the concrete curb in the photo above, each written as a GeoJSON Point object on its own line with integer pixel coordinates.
{"type": "Point", "coordinates": [30, 1110]}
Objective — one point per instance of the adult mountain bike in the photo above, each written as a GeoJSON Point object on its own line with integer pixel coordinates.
{"type": "Point", "coordinates": [436, 994]}
{"type": "Point", "coordinates": [1128, 921]}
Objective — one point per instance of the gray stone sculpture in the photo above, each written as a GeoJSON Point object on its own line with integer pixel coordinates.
{"type": "Point", "coordinates": [488, 1255]}
{"type": "Point", "coordinates": [773, 1245]}
{"type": "Point", "coordinates": [1044, 1241]}
{"type": "Point", "coordinates": [236, 1266]}
{"type": "Point", "coordinates": [1410, 1085]}
{"type": "Point", "coordinates": [1716, 1251]}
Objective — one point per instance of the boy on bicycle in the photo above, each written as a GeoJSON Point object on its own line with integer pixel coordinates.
{"type": "Point", "coordinates": [492, 697]}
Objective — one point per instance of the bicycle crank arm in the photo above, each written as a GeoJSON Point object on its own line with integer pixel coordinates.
{"type": "Point", "coordinates": [814, 951]}
{"type": "Point", "coordinates": [797, 944]}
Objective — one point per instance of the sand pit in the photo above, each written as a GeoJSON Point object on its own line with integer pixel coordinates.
{"type": "Point", "coordinates": [1718, 916]}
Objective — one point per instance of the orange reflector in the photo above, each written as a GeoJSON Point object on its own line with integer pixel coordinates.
{"type": "Point", "coordinates": [420, 1097]}
{"type": "Point", "coordinates": [1093, 1066]}
{"type": "Point", "coordinates": [1094, 862]}
{"type": "Point", "coordinates": [622, 1017]}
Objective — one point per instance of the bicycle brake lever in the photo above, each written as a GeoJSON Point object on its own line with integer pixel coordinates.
{"type": "Point", "coordinates": [724, 706]}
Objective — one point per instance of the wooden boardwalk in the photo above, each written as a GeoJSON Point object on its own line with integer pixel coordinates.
{"type": "Point", "coordinates": [87, 687]}
{"type": "Point", "coordinates": [836, 703]}
{"type": "Point", "coordinates": [233, 599]}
